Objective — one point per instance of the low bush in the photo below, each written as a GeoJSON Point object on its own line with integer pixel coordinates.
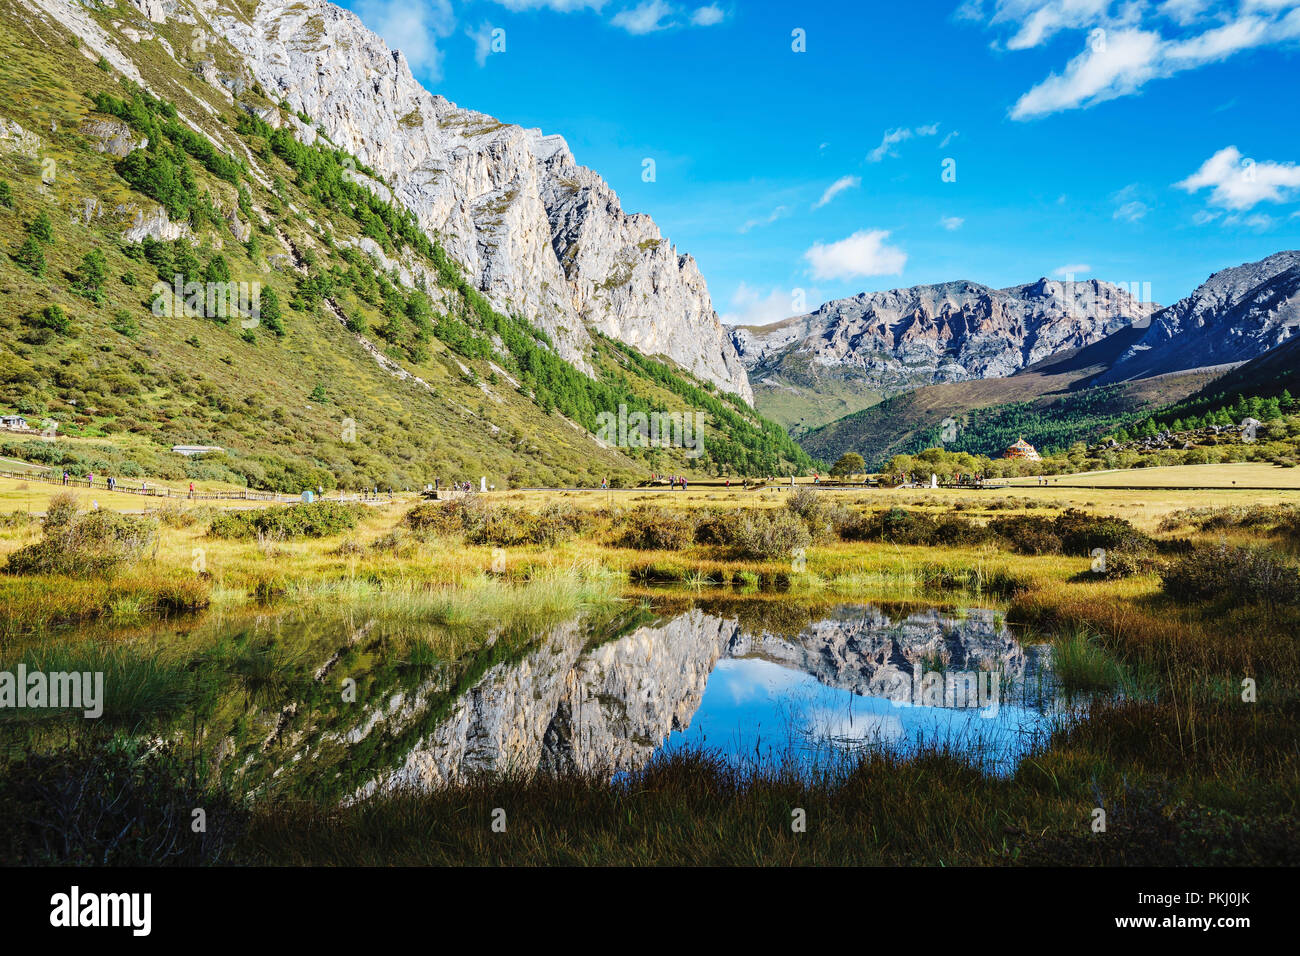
{"type": "Point", "coordinates": [655, 529]}
{"type": "Point", "coordinates": [1081, 532]}
{"type": "Point", "coordinates": [764, 535]}
{"type": "Point", "coordinates": [1246, 574]}
{"type": "Point", "coordinates": [96, 544]}
{"type": "Point", "coordinates": [899, 526]}
{"type": "Point", "coordinates": [820, 519]}
{"type": "Point", "coordinates": [320, 519]}
{"type": "Point", "coordinates": [498, 525]}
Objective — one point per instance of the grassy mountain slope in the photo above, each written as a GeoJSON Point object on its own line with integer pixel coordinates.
{"type": "Point", "coordinates": [802, 395]}
{"type": "Point", "coordinates": [1049, 403]}
{"type": "Point", "coordinates": [377, 367]}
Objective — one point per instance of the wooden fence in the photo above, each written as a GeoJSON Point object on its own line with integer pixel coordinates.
{"type": "Point", "coordinates": [147, 489]}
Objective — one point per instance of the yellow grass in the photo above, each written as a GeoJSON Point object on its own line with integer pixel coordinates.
{"type": "Point", "coordinates": [1239, 474]}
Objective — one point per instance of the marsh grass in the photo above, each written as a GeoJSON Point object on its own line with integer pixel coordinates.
{"type": "Point", "coordinates": [1082, 665]}
{"type": "Point", "coordinates": [1167, 726]}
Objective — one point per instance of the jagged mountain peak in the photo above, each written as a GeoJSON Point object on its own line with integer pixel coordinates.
{"type": "Point", "coordinates": [895, 339]}
{"type": "Point", "coordinates": [1235, 315]}
{"type": "Point", "coordinates": [544, 236]}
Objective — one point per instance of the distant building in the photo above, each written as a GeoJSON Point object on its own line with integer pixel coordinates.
{"type": "Point", "coordinates": [196, 449]}
{"type": "Point", "coordinates": [1023, 450]}
{"type": "Point", "coordinates": [14, 423]}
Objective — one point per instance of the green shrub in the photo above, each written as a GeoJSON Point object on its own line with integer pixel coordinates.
{"type": "Point", "coordinates": [1245, 574]}
{"type": "Point", "coordinates": [1028, 534]}
{"type": "Point", "coordinates": [764, 535]}
{"type": "Point", "coordinates": [1081, 532]}
{"type": "Point", "coordinates": [899, 526]}
{"type": "Point", "coordinates": [436, 520]}
{"type": "Point", "coordinates": [656, 529]}
{"type": "Point", "coordinates": [96, 544]}
{"type": "Point", "coordinates": [320, 519]}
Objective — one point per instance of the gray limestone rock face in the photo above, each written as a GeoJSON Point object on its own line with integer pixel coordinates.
{"type": "Point", "coordinates": [540, 235]}
{"type": "Point", "coordinates": [1234, 316]}
{"type": "Point", "coordinates": [950, 332]}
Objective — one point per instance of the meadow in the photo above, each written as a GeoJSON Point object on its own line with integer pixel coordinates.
{"type": "Point", "coordinates": [1198, 601]}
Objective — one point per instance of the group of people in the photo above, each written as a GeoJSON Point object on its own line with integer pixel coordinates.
{"type": "Point", "coordinates": [673, 480]}
{"type": "Point", "coordinates": [110, 482]}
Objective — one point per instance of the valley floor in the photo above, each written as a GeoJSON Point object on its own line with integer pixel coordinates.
{"type": "Point", "coordinates": [1188, 769]}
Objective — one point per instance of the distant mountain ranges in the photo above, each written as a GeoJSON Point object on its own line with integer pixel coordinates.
{"type": "Point", "coordinates": [867, 371]}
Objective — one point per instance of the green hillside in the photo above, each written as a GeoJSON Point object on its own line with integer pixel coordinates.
{"type": "Point", "coordinates": [1050, 406]}
{"type": "Point", "coordinates": [342, 375]}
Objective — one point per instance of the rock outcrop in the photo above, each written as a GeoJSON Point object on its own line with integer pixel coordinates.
{"type": "Point", "coordinates": [952, 332]}
{"type": "Point", "coordinates": [1234, 316]}
{"type": "Point", "coordinates": [541, 235]}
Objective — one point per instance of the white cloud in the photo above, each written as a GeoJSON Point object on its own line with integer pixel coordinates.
{"type": "Point", "coordinates": [952, 223]}
{"type": "Point", "coordinates": [893, 137]}
{"type": "Point", "coordinates": [1240, 183]}
{"type": "Point", "coordinates": [777, 213]}
{"type": "Point", "coordinates": [837, 187]}
{"type": "Point", "coordinates": [482, 38]}
{"type": "Point", "coordinates": [1204, 217]}
{"type": "Point", "coordinates": [749, 306]}
{"type": "Point", "coordinates": [559, 6]}
{"type": "Point", "coordinates": [1073, 269]}
{"type": "Point", "coordinates": [708, 16]}
{"type": "Point", "coordinates": [1130, 211]}
{"type": "Point", "coordinates": [1129, 206]}
{"type": "Point", "coordinates": [413, 29]}
{"type": "Point", "coordinates": [1260, 221]}
{"type": "Point", "coordinates": [1128, 44]}
{"type": "Point", "coordinates": [1127, 60]}
{"type": "Point", "coordinates": [865, 253]}
{"type": "Point", "coordinates": [648, 16]}
{"type": "Point", "coordinates": [1037, 21]}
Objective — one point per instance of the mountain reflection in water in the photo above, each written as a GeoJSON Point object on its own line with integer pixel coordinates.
{"type": "Point", "coordinates": [855, 678]}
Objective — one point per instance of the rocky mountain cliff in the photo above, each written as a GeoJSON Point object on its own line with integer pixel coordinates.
{"type": "Point", "coordinates": [1234, 316]}
{"type": "Point", "coordinates": [880, 343]}
{"type": "Point", "coordinates": [542, 236]}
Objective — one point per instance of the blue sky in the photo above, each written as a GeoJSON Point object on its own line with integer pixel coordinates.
{"type": "Point", "coordinates": [1136, 142]}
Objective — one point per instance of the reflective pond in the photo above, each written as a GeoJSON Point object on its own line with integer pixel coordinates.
{"type": "Point", "coordinates": [339, 704]}
{"type": "Point", "coordinates": [856, 677]}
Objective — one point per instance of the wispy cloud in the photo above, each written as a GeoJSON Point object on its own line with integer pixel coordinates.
{"type": "Point", "coordinates": [1127, 45]}
{"type": "Point", "coordinates": [1236, 182]}
{"type": "Point", "coordinates": [777, 213]}
{"type": "Point", "coordinates": [649, 16]}
{"type": "Point", "coordinates": [413, 29]}
{"type": "Point", "coordinates": [559, 6]}
{"type": "Point", "coordinates": [1129, 206]}
{"type": "Point", "coordinates": [865, 253]}
{"type": "Point", "coordinates": [1073, 269]}
{"type": "Point", "coordinates": [952, 223]}
{"type": "Point", "coordinates": [482, 38]}
{"type": "Point", "coordinates": [837, 187]}
{"type": "Point", "coordinates": [893, 137]}
{"type": "Point", "coordinates": [750, 306]}
{"type": "Point", "coordinates": [708, 16]}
